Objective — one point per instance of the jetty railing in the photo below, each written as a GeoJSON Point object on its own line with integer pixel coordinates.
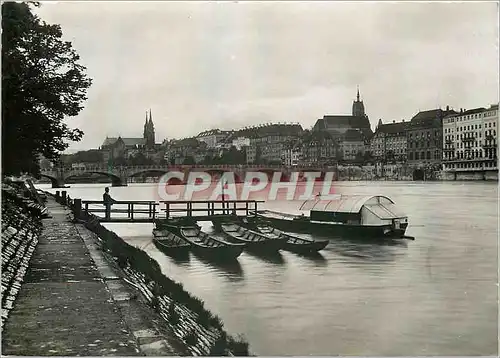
{"type": "Point", "coordinates": [133, 210]}
{"type": "Point", "coordinates": [149, 211]}
{"type": "Point", "coordinates": [210, 208]}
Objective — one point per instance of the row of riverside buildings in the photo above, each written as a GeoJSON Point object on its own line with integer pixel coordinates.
{"type": "Point", "coordinates": [443, 139]}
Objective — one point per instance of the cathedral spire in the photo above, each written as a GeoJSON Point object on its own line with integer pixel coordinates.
{"type": "Point", "coordinates": [358, 108]}
{"type": "Point", "coordinates": [150, 117]}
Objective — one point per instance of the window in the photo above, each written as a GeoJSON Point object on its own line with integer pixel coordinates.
{"type": "Point", "coordinates": [428, 154]}
{"type": "Point", "coordinates": [416, 155]}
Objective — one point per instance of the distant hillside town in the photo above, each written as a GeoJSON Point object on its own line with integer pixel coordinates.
{"type": "Point", "coordinates": [441, 139]}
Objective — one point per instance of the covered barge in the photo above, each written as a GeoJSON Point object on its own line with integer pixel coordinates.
{"type": "Point", "coordinates": [370, 216]}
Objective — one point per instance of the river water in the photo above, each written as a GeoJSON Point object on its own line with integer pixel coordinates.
{"type": "Point", "coordinates": [436, 295]}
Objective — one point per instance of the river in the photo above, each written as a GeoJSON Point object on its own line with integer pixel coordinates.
{"type": "Point", "coordinates": [436, 295]}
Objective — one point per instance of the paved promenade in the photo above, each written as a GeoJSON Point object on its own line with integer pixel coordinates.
{"type": "Point", "coordinates": [72, 303]}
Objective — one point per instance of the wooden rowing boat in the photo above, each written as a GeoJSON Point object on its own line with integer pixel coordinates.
{"type": "Point", "coordinates": [293, 242]}
{"type": "Point", "coordinates": [253, 239]}
{"type": "Point", "coordinates": [203, 244]}
{"type": "Point", "coordinates": [170, 244]}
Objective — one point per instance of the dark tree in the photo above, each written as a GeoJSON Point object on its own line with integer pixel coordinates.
{"type": "Point", "coordinates": [189, 160]}
{"type": "Point", "coordinates": [42, 84]}
{"type": "Point", "coordinates": [141, 159]}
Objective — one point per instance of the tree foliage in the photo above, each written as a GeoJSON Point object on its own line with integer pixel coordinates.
{"type": "Point", "coordinates": [42, 84]}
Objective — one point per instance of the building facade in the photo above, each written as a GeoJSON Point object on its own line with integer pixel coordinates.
{"type": "Point", "coordinates": [389, 143]}
{"type": "Point", "coordinates": [424, 136]}
{"type": "Point", "coordinates": [292, 155]}
{"type": "Point", "coordinates": [470, 140]}
{"type": "Point", "coordinates": [352, 145]}
{"type": "Point", "coordinates": [213, 137]}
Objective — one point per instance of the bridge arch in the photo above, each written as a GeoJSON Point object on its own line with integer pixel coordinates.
{"type": "Point", "coordinates": [115, 179]}
{"type": "Point", "coordinates": [56, 183]}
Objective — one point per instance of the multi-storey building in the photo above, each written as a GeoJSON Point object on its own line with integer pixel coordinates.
{"type": "Point", "coordinates": [389, 142]}
{"type": "Point", "coordinates": [352, 145]}
{"type": "Point", "coordinates": [241, 142]}
{"type": "Point", "coordinates": [424, 136]}
{"type": "Point", "coordinates": [251, 154]}
{"type": "Point", "coordinates": [320, 147]}
{"type": "Point", "coordinates": [267, 142]}
{"type": "Point", "coordinates": [470, 140]}
{"type": "Point", "coordinates": [292, 154]}
{"type": "Point", "coordinates": [212, 137]}
{"type": "Point", "coordinates": [178, 150]}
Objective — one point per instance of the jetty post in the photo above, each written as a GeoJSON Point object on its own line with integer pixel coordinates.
{"type": "Point", "coordinates": [77, 208]}
{"type": "Point", "coordinates": [63, 197]}
{"type": "Point", "coordinates": [58, 195]}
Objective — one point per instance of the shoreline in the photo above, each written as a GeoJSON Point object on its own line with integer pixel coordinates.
{"type": "Point", "coordinates": [67, 290]}
{"type": "Point", "coordinates": [198, 328]}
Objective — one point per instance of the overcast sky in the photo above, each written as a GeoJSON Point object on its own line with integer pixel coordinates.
{"type": "Point", "coordinates": [231, 64]}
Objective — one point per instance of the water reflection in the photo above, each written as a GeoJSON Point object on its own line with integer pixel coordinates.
{"type": "Point", "coordinates": [275, 257]}
{"type": "Point", "coordinates": [231, 269]}
{"type": "Point", "coordinates": [316, 257]}
{"type": "Point", "coordinates": [370, 251]}
{"type": "Point", "coordinates": [436, 295]}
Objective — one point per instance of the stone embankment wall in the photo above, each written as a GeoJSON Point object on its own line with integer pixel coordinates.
{"type": "Point", "coordinates": [201, 331]}
{"type": "Point", "coordinates": [21, 227]}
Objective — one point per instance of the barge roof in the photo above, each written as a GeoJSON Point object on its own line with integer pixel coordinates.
{"type": "Point", "coordinates": [350, 204]}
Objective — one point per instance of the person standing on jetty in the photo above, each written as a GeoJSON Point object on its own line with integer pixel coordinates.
{"type": "Point", "coordinates": [108, 201]}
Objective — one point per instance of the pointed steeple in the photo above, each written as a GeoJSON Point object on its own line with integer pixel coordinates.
{"type": "Point", "coordinates": [358, 108]}
{"type": "Point", "coordinates": [150, 117]}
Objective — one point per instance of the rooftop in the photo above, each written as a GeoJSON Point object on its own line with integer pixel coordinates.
{"type": "Point", "coordinates": [129, 142]}
{"type": "Point", "coordinates": [393, 128]}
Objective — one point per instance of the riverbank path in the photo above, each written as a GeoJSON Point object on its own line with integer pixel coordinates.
{"type": "Point", "coordinates": [64, 306]}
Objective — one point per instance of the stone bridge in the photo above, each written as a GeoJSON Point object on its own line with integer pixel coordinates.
{"type": "Point", "coordinates": [120, 175]}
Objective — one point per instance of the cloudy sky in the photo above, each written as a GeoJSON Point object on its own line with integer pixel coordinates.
{"type": "Point", "coordinates": [230, 64]}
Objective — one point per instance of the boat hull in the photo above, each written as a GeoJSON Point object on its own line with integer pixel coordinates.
{"type": "Point", "coordinates": [223, 252]}
{"type": "Point", "coordinates": [226, 253]}
{"type": "Point", "coordinates": [174, 251]}
{"type": "Point", "coordinates": [351, 231]}
{"type": "Point", "coordinates": [312, 247]}
{"type": "Point", "coordinates": [269, 245]}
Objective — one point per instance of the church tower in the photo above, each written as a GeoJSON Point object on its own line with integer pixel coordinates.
{"type": "Point", "coordinates": [358, 108]}
{"type": "Point", "coordinates": [149, 131]}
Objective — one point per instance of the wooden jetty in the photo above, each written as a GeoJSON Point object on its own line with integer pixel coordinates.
{"type": "Point", "coordinates": [150, 211]}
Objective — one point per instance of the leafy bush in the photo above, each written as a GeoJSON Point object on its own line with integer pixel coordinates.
{"type": "Point", "coordinates": [191, 338]}
{"type": "Point", "coordinates": [238, 346]}
{"type": "Point", "coordinates": [219, 348]}
{"type": "Point", "coordinates": [155, 302]}
{"type": "Point", "coordinates": [173, 316]}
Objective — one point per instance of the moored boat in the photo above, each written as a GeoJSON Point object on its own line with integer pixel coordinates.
{"type": "Point", "coordinates": [170, 244]}
{"type": "Point", "coordinates": [253, 239]}
{"type": "Point", "coordinates": [351, 216]}
{"type": "Point", "coordinates": [294, 243]}
{"type": "Point", "coordinates": [203, 244]}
